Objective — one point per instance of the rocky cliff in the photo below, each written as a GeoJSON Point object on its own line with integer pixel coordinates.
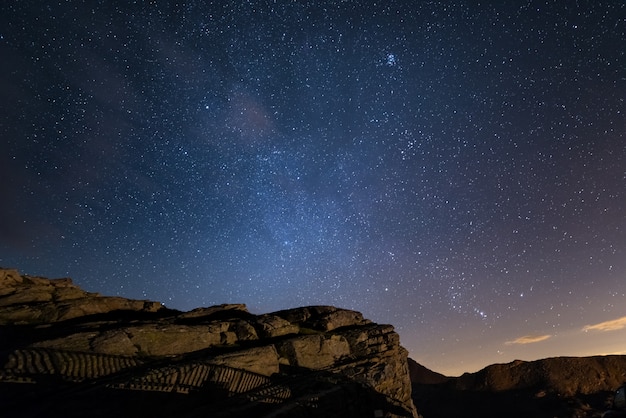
{"type": "Point", "coordinates": [67, 352]}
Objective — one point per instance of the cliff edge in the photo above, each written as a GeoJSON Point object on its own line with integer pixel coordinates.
{"type": "Point", "coordinates": [67, 352]}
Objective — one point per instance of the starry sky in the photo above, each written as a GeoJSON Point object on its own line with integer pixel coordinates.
{"type": "Point", "coordinates": [454, 168]}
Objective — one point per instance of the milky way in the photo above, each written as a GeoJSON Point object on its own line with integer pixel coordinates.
{"type": "Point", "coordinates": [456, 170]}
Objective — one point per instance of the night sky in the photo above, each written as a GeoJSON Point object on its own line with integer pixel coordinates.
{"type": "Point", "coordinates": [456, 169]}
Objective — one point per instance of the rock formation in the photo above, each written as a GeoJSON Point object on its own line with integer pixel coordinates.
{"type": "Point", "coordinates": [553, 387]}
{"type": "Point", "coordinates": [67, 352]}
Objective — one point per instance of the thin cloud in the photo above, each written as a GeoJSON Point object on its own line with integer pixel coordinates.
{"type": "Point", "coordinates": [612, 325]}
{"type": "Point", "coordinates": [612, 353]}
{"type": "Point", "coordinates": [528, 339]}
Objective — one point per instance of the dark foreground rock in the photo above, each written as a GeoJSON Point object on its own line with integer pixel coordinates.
{"type": "Point", "coordinates": [67, 352]}
{"type": "Point", "coordinates": [564, 387]}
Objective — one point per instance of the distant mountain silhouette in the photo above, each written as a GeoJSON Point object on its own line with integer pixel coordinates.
{"type": "Point", "coordinates": [553, 387]}
{"type": "Point", "coordinates": [423, 375]}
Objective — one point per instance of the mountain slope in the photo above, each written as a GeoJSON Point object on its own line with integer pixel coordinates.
{"type": "Point", "coordinates": [552, 387]}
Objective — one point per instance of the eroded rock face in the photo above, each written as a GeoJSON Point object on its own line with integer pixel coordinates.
{"type": "Point", "coordinates": [307, 357]}
{"type": "Point", "coordinates": [37, 300]}
{"type": "Point", "coordinates": [314, 351]}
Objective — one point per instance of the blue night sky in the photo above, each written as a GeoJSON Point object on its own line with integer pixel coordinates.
{"type": "Point", "coordinates": [456, 169]}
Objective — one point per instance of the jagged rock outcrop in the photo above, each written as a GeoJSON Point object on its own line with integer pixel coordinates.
{"type": "Point", "coordinates": [226, 361]}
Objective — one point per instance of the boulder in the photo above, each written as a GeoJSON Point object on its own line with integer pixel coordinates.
{"type": "Point", "coordinates": [314, 351]}
{"type": "Point", "coordinates": [323, 318]}
{"type": "Point", "coordinates": [261, 360]}
{"type": "Point", "coordinates": [270, 326]}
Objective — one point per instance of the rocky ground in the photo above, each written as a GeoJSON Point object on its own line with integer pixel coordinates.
{"type": "Point", "coordinates": [67, 352]}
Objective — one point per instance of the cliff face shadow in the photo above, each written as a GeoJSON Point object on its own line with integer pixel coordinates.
{"type": "Point", "coordinates": [192, 389]}
{"type": "Point", "coordinates": [21, 335]}
{"type": "Point", "coordinates": [302, 392]}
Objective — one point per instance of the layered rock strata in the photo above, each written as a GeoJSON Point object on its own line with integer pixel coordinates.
{"type": "Point", "coordinates": [223, 360]}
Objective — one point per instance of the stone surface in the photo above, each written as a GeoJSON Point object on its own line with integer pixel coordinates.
{"type": "Point", "coordinates": [314, 351]}
{"type": "Point", "coordinates": [323, 318]}
{"type": "Point", "coordinates": [37, 300]}
{"type": "Point", "coordinates": [212, 310]}
{"type": "Point", "coordinates": [310, 361]}
{"type": "Point", "coordinates": [262, 360]}
{"type": "Point", "coordinates": [269, 326]}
